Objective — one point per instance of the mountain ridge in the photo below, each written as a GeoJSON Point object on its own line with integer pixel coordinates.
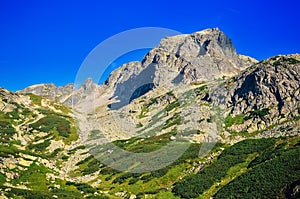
{"type": "Point", "coordinates": [242, 124]}
{"type": "Point", "coordinates": [135, 79]}
{"type": "Point", "coordinates": [197, 57]}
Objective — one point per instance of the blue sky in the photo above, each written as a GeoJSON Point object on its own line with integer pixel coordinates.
{"type": "Point", "coordinates": [46, 41]}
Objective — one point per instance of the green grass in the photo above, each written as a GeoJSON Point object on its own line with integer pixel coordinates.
{"type": "Point", "coordinates": [194, 185]}
{"type": "Point", "coordinates": [53, 122]}
{"type": "Point", "coordinates": [84, 161]}
{"type": "Point", "coordinates": [139, 125]}
{"type": "Point", "coordinates": [151, 183]}
{"type": "Point", "coordinates": [64, 109]}
{"type": "Point", "coordinates": [238, 119]}
{"type": "Point", "coordinates": [41, 147]}
{"type": "Point", "coordinates": [72, 135]}
{"type": "Point", "coordinates": [5, 151]}
{"type": "Point", "coordinates": [58, 126]}
{"type": "Point", "coordinates": [172, 105]}
{"type": "Point", "coordinates": [43, 194]}
{"type": "Point", "coordinates": [166, 195]}
{"type": "Point", "coordinates": [6, 131]}
{"type": "Point", "coordinates": [200, 89]}
{"type": "Point", "coordinates": [268, 178]}
{"type": "Point", "coordinates": [72, 151]}
{"type": "Point", "coordinates": [176, 119]}
{"type": "Point", "coordinates": [259, 113]}
{"type": "Point", "coordinates": [92, 166]}
{"type": "Point", "coordinates": [2, 178]}
{"type": "Point", "coordinates": [144, 112]}
{"type": "Point", "coordinates": [232, 173]}
{"type": "Point", "coordinates": [83, 187]}
{"type": "Point", "coordinates": [139, 145]}
{"type": "Point", "coordinates": [34, 177]}
{"type": "Point", "coordinates": [289, 60]}
{"type": "Point", "coordinates": [13, 115]}
{"type": "Point", "coordinates": [36, 100]}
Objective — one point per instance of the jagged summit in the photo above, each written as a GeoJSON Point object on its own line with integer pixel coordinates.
{"type": "Point", "coordinates": [190, 58]}
{"type": "Point", "coordinates": [88, 85]}
{"type": "Point", "coordinates": [50, 91]}
{"type": "Point", "coordinates": [201, 56]}
{"type": "Point", "coordinates": [198, 43]}
{"type": "Point", "coordinates": [67, 94]}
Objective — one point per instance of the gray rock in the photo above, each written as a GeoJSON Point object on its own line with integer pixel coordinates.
{"type": "Point", "coordinates": [265, 94]}
{"type": "Point", "coordinates": [66, 94]}
{"type": "Point", "coordinates": [203, 56]}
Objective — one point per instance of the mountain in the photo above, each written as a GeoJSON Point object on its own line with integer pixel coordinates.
{"type": "Point", "coordinates": [192, 59]}
{"type": "Point", "coordinates": [233, 121]}
{"type": "Point", "coordinates": [275, 89]}
{"type": "Point", "coordinates": [65, 94]}
{"type": "Point", "coordinates": [201, 56]}
{"type": "Point", "coordinates": [189, 59]}
{"type": "Point", "coordinates": [263, 97]}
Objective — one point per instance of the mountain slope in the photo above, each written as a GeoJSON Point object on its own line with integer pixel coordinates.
{"type": "Point", "coordinates": [65, 94]}
{"type": "Point", "coordinates": [264, 97]}
{"type": "Point", "coordinates": [191, 89]}
{"type": "Point", "coordinates": [190, 59]}
{"type": "Point", "coordinates": [39, 148]}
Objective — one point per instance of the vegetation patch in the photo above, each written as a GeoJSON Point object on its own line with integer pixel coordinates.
{"type": "Point", "coordinates": [238, 119]}
{"type": "Point", "coordinates": [41, 147]}
{"type": "Point", "coordinates": [2, 178]}
{"type": "Point", "coordinates": [14, 114]}
{"type": "Point", "coordinates": [92, 167]}
{"type": "Point", "coordinates": [35, 177]}
{"type": "Point", "coordinates": [194, 185]}
{"type": "Point", "coordinates": [37, 100]}
{"type": "Point", "coordinates": [288, 60]}
{"type": "Point", "coordinates": [271, 174]}
{"type": "Point", "coordinates": [53, 122]}
{"type": "Point", "coordinates": [200, 89]}
{"type": "Point", "coordinates": [176, 119]}
{"type": "Point", "coordinates": [172, 105]}
{"type": "Point", "coordinates": [6, 131]}
{"type": "Point", "coordinates": [140, 145]}
{"type": "Point", "coordinates": [72, 151]}
{"type": "Point", "coordinates": [144, 112]}
{"type": "Point", "coordinates": [260, 113]}
{"type": "Point", "coordinates": [83, 187]}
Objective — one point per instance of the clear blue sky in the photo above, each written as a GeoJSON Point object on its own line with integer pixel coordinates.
{"type": "Point", "coordinates": [46, 41]}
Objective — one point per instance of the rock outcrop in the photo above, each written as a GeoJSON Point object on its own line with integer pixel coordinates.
{"type": "Point", "coordinates": [264, 95]}
{"type": "Point", "coordinates": [190, 59]}
{"type": "Point", "coordinates": [67, 94]}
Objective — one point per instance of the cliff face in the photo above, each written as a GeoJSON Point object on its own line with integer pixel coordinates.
{"type": "Point", "coordinates": [201, 56]}
{"type": "Point", "coordinates": [189, 59]}
{"type": "Point", "coordinates": [273, 83]}
{"type": "Point", "coordinates": [268, 92]}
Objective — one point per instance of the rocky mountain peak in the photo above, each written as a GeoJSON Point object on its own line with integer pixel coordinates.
{"type": "Point", "coordinates": [88, 85]}
{"type": "Point", "coordinates": [66, 94]}
{"type": "Point", "coordinates": [48, 90]}
{"type": "Point", "coordinates": [189, 59]}
{"type": "Point", "coordinates": [211, 42]}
